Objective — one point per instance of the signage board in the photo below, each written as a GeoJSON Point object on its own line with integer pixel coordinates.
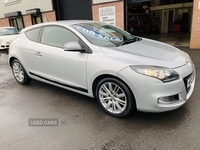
{"type": "Point", "coordinates": [107, 15]}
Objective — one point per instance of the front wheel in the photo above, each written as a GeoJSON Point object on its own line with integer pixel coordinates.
{"type": "Point", "coordinates": [114, 97]}
{"type": "Point", "coordinates": [20, 73]}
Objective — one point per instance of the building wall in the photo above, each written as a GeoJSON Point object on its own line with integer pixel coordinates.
{"type": "Point", "coordinates": [46, 8]}
{"type": "Point", "coordinates": [195, 31]}
{"type": "Point", "coordinates": [48, 16]}
{"type": "Point", "coordinates": [23, 5]}
{"type": "Point", "coordinates": [4, 22]}
{"type": "Point", "coordinates": [119, 10]}
{"type": "Point", "coordinates": [27, 20]}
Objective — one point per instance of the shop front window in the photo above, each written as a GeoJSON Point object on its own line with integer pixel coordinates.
{"type": "Point", "coordinates": [17, 22]}
{"type": "Point", "coordinates": [36, 18]}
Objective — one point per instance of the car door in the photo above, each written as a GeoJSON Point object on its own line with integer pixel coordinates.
{"type": "Point", "coordinates": [56, 65]}
{"type": "Point", "coordinates": [27, 42]}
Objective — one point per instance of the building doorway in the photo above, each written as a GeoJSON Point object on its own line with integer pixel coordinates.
{"type": "Point", "coordinates": [17, 22]}
{"type": "Point", "coordinates": [36, 18]}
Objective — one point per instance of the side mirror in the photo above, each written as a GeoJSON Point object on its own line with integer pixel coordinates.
{"type": "Point", "coordinates": [73, 46]}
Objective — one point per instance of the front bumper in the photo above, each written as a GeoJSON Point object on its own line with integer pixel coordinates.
{"type": "Point", "coordinates": [152, 95]}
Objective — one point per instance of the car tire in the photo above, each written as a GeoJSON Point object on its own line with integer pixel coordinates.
{"type": "Point", "coordinates": [19, 73]}
{"type": "Point", "coordinates": [114, 97]}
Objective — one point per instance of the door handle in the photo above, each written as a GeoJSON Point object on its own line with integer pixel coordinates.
{"type": "Point", "coordinates": [38, 54]}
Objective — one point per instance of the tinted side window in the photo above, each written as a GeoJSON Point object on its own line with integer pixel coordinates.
{"type": "Point", "coordinates": [57, 36]}
{"type": "Point", "coordinates": [33, 34]}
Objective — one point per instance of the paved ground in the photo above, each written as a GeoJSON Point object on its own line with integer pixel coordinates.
{"type": "Point", "coordinates": [83, 126]}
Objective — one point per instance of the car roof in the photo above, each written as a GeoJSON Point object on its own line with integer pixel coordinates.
{"type": "Point", "coordinates": [62, 23]}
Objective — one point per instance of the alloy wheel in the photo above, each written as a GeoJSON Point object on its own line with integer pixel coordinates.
{"type": "Point", "coordinates": [112, 97]}
{"type": "Point", "coordinates": [18, 72]}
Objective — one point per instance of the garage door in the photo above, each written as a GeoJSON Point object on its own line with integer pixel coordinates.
{"type": "Point", "coordinates": [73, 9]}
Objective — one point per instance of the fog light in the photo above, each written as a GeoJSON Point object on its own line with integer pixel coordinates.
{"type": "Point", "coordinates": [168, 99]}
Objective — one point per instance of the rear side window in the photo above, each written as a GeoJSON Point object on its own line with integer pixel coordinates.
{"type": "Point", "coordinates": [33, 34]}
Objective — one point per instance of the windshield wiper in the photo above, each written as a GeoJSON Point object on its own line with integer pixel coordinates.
{"type": "Point", "coordinates": [128, 41]}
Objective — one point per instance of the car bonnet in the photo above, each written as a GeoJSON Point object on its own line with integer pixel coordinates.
{"type": "Point", "coordinates": [147, 52]}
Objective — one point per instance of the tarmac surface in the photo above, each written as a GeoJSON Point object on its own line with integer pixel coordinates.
{"type": "Point", "coordinates": [84, 126]}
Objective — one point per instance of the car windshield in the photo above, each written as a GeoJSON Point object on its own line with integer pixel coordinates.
{"type": "Point", "coordinates": [102, 34]}
{"type": "Point", "coordinates": [8, 31]}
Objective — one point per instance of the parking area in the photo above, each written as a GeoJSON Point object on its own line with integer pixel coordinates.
{"type": "Point", "coordinates": [83, 125]}
{"type": "Point", "coordinates": [174, 38]}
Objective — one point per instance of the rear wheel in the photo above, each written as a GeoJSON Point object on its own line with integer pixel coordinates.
{"type": "Point", "coordinates": [20, 73]}
{"type": "Point", "coordinates": [114, 97]}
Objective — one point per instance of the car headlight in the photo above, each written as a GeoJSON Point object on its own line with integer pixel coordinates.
{"type": "Point", "coordinates": [161, 73]}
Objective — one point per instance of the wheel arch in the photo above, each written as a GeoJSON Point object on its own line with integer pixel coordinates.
{"type": "Point", "coordinates": [11, 59]}
{"type": "Point", "coordinates": [100, 77]}
{"type": "Point", "coordinates": [26, 79]}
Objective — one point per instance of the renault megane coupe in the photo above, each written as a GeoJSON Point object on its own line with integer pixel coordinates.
{"type": "Point", "coordinates": [121, 71]}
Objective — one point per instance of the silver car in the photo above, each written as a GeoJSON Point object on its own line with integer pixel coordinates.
{"type": "Point", "coordinates": [122, 72]}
